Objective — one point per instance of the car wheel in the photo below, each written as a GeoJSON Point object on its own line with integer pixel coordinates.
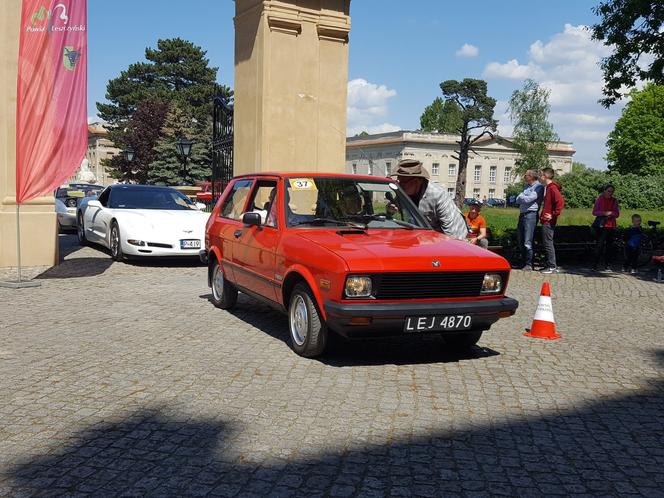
{"type": "Point", "coordinates": [80, 230]}
{"type": "Point", "coordinates": [308, 333]}
{"type": "Point", "coordinates": [114, 243]}
{"type": "Point", "coordinates": [462, 341]}
{"type": "Point", "coordinates": [224, 294]}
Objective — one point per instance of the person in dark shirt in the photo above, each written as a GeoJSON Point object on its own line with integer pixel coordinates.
{"type": "Point", "coordinates": [633, 237]}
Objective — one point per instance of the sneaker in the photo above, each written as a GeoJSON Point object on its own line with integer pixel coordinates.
{"type": "Point", "coordinates": [625, 269]}
{"type": "Point", "coordinates": [633, 271]}
{"type": "Point", "coordinates": [607, 270]}
{"type": "Point", "coordinates": [527, 268]}
{"type": "Point", "coordinates": [550, 270]}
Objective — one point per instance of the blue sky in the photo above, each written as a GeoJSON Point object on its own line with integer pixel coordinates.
{"type": "Point", "coordinates": [399, 54]}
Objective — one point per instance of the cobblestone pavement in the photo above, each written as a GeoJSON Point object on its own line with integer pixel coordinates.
{"type": "Point", "coordinates": [123, 379]}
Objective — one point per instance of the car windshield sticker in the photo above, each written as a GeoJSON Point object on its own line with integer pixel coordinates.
{"type": "Point", "coordinates": [303, 184]}
{"type": "Point", "coordinates": [373, 187]}
{"type": "Point", "coordinates": [394, 186]}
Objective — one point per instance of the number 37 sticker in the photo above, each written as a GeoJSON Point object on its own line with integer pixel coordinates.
{"type": "Point", "coordinates": [302, 184]}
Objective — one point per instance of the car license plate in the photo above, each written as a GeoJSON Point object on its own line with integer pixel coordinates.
{"type": "Point", "coordinates": [437, 323]}
{"type": "Point", "coordinates": [190, 244]}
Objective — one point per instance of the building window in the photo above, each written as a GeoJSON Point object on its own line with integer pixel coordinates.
{"type": "Point", "coordinates": [388, 168]}
{"type": "Point", "coordinates": [478, 173]}
{"type": "Point", "coordinates": [492, 174]}
{"type": "Point", "coordinates": [434, 169]}
{"type": "Point", "coordinates": [451, 170]}
{"type": "Point", "coordinates": [559, 172]}
{"type": "Point", "coordinates": [508, 175]}
{"type": "Point", "coordinates": [476, 193]}
{"type": "Point", "coordinates": [450, 190]}
{"type": "Point", "coordinates": [354, 168]}
{"type": "Point", "coordinates": [492, 193]}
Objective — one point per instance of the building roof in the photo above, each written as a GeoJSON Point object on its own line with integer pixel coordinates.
{"type": "Point", "coordinates": [407, 136]}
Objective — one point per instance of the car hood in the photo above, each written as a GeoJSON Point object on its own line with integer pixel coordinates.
{"type": "Point", "coordinates": [405, 250]}
{"type": "Point", "coordinates": [163, 220]}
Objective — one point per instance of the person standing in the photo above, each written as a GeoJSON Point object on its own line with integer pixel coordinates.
{"type": "Point", "coordinates": [606, 211]}
{"type": "Point", "coordinates": [476, 225]}
{"type": "Point", "coordinates": [529, 202]}
{"type": "Point", "coordinates": [551, 208]}
{"type": "Point", "coordinates": [432, 200]}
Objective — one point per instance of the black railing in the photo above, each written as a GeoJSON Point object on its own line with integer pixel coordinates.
{"type": "Point", "coordinates": [222, 146]}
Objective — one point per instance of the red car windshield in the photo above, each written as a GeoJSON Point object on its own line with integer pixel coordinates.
{"type": "Point", "coordinates": [343, 201]}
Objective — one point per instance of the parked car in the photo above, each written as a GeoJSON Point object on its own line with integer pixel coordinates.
{"type": "Point", "coordinates": [67, 199]}
{"type": "Point", "coordinates": [351, 255]}
{"type": "Point", "coordinates": [470, 200]}
{"type": "Point", "coordinates": [495, 202]}
{"type": "Point", "coordinates": [142, 220]}
{"type": "Point", "coordinates": [204, 195]}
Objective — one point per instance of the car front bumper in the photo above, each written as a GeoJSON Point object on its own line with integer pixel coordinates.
{"type": "Point", "coordinates": [388, 319]}
{"type": "Point", "coordinates": [67, 220]}
{"type": "Point", "coordinates": [154, 251]}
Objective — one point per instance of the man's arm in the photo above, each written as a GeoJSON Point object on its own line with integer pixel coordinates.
{"type": "Point", "coordinates": [527, 196]}
{"type": "Point", "coordinates": [451, 221]}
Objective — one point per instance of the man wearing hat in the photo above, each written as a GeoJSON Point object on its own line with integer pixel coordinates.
{"type": "Point", "coordinates": [431, 199]}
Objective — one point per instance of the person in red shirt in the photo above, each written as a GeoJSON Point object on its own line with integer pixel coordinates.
{"type": "Point", "coordinates": [476, 225]}
{"type": "Point", "coordinates": [606, 210]}
{"type": "Point", "coordinates": [551, 208]}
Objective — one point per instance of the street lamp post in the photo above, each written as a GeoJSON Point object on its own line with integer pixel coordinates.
{"type": "Point", "coordinates": [183, 146]}
{"type": "Point", "coordinates": [128, 154]}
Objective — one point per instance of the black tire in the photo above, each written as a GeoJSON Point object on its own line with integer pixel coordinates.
{"type": "Point", "coordinates": [224, 294]}
{"type": "Point", "coordinates": [80, 230]}
{"type": "Point", "coordinates": [308, 334]}
{"type": "Point", "coordinates": [463, 340]}
{"type": "Point", "coordinates": [115, 243]}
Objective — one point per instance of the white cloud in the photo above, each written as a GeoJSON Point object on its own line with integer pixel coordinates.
{"type": "Point", "coordinates": [467, 51]}
{"type": "Point", "coordinates": [567, 64]}
{"type": "Point", "coordinates": [511, 70]}
{"type": "Point", "coordinates": [368, 105]}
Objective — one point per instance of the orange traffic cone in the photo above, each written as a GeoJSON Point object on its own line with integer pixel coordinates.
{"type": "Point", "coordinates": [544, 326]}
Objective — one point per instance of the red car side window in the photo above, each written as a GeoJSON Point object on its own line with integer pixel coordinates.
{"type": "Point", "coordinates": [234, 204]}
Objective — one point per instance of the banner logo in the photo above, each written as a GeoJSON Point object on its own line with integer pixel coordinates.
{"type": "Point", "coordinates": [57, 20]}
{"type": "Point", "coordinates": [70, 58]}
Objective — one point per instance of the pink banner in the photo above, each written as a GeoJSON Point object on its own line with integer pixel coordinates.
{"type": "Point", "coordinates": [51, 116]}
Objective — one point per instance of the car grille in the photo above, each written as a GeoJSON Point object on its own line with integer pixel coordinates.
{"type": "Point", "coordinates": [157, 244]}
{"type": "Point", "coordinates": [429, 285]}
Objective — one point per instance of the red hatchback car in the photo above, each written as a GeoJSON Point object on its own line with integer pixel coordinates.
{"type": "Point", "coordinates": [352, 255]}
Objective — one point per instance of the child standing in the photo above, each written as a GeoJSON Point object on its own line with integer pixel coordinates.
{"type": "Point", "coordinates": [633, 237]}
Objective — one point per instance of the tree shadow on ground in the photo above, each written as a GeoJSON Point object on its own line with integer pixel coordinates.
{"type": "Point", "coordinates": [609, 447]}
{"type": "Point", "coordinates": [343, 353]}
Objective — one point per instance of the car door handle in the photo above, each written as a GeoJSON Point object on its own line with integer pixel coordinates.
{"type": "Point", "coordinates": [237, 233]}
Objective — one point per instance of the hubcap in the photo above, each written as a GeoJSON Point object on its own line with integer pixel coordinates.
{"type": "Point", "coordinates": [115, 241]}
{"type": "Point", "coordinates": [299, 320]}
{"type": "Point", "coordinates": [217, 283]}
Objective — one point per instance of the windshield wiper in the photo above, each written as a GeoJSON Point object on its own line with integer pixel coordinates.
{"type": "Point", "coordinates": [382, 217]}
{"type": "Point", "coordinates": [322, 221]}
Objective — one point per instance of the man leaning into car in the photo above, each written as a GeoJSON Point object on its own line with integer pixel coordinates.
{"type": "Point", "coordinates": [432, 200]}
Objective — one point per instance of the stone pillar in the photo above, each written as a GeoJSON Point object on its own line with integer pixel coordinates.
{"type": "Point", "coordinates": [291, 77]}
{"type": "Point", "coordinates": [38, 220]}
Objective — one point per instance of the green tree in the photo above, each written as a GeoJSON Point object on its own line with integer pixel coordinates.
{"type": "Point", "coordinates": [175, 73]}
{"type": "Point", "coordinates": [636, 144]}
{"type": "Point", "coordinates": [168, 168]}
{"type": "Point", "coordinates": [634, 29]}
{"type": "Point", "coordinates": [470, 95]}
{"type": "Point", "coordinates": [529, 111]}
{"type": "Point", "coordinates": [579, 167]}
{"type": "Point", "coordinates": [442, 116]}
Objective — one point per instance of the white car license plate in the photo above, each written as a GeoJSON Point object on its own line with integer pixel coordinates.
{"type": "Point", "coordinates": [440, 323]}
{"type": "Point", "coordinates": [190, 244]}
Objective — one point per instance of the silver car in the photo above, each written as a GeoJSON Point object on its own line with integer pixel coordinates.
{"type": "Point", "coordinates": [67, 199]}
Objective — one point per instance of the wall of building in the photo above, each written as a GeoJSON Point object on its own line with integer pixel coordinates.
{"type": "Point", "coordinates": [495, 160]}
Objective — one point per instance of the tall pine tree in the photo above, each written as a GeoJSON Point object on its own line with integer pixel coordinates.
{"type": "Point", "coordinates": [168, 168]}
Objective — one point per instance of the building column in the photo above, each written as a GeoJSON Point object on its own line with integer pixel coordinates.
{"type": "Point", "coordinates": [291, 77]}
{"type": "Point", "coordinates": [38, 220]}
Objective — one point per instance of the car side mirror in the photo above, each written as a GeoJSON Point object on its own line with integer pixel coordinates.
{"type": "Point", "coordinates": [251, 219]}
{"type": "Point", "coordinates": [94, 203]}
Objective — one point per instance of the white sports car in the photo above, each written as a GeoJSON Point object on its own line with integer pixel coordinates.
{"type": "Point", "coordinates": [142, 220]}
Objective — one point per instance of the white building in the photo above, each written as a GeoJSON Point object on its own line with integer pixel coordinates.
{"type": "Point", "coordinates": [488, 174]}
